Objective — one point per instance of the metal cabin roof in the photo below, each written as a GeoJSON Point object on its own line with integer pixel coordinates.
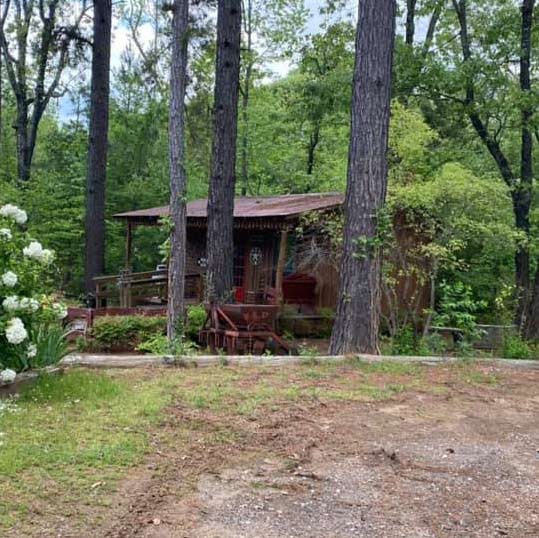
{"type": "Point", "coordinates": [288, 205]}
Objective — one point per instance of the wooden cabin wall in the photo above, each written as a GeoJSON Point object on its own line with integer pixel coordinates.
{"type": "Point", "coordinates": [196, 250]}
{"type": "Point", "coordinates": [311, 254]}
{"type": "Point", "coordinates": [256, 278]}
{"type": "Point", "coordinates": [314, 256]}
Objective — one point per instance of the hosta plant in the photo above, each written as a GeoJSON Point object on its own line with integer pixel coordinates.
{"type": "Point", "coordinates": [27, 310]}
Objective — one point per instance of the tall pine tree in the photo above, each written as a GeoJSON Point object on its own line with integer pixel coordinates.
{"type": "Point", "coordinates": [220, 241]}
{"type": "Point", "coordinates": [358, 311]}
{"type": "Point", "coordinates": [98, 141]}
{"type": "Point", "coordinates": [178, 76]}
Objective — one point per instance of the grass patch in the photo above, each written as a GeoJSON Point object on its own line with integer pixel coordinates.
{"type": "Point", "coordinates": [386, 367]}
{"type": "Point", "coordinates": [224, 390]}
{"type": "Point", "coordinates": [69, 432]}
{"type": "Point", "coordinates": [476, 377]}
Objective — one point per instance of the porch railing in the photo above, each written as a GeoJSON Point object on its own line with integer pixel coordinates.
{"type": "Point", "coordinates": [149, 288]}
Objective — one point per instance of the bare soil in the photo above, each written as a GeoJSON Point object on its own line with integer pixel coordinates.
{"type": "Point", "coordinates": [460, 459]}
{"type": "Point", "coordinates": [464, 463]}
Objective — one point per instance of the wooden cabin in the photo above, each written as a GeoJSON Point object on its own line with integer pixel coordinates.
{"type": "Point", "coordinates": [266, 255]}
{"type": "Point", "coordinates": [273, 261]}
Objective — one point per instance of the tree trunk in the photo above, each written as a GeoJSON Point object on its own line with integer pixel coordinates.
{"type": "Point", "coordinates": [246, 94]}
{"type": "Point", "coordinates": [1, 97]}
{"type": "Point", "coordinates": [410, 22]}
{"type": "Point", "coordinates": [531, 331]}
{"type": "Point", "coordinates": [178, 180]}
{"type": "Point", "coordinates": [97, 145]}
{"type": "Point", "coordinates": [46, 49]}
{"type": "Point", "coordinates": [220, 241]}
{"type": "Point", "coordinates": [431, 28]}
{"type": "Point", "coordinates": [314, 139]}
{"type": "Point", "coordinates": [528, 312]}
{"type": "Point", "coordinates": [23, 152]}
{"type": "Point", "coordinates": [358, 311]}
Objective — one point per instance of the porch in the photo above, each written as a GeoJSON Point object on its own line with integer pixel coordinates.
{"type": "Point", "coordinates": [147, 289]}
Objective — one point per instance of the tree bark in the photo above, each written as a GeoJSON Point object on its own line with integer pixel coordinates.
{"type": "Point", "coordinates": [410, 22]}
{"type": "Point", "coordinates": [220, 243]}
{"type": "Point", "coordinates": [1, 93]}
{"type": "Point", "coordinates": [358, 311]}
{"type": "Point", "coordinates": [529, 298]}
{"type": "Point", "coordinates": [522, 195]}
{"type": "Point", "coordinates": [246, 94]}
{"type": "Point", "coordinates": [314, 139]}
{"type": "Point", "coordinates": [431, 28]}
{"type": "Point", "coordinates": [97, 143]}
{"type": "Point", "coordinates": [178, 179]}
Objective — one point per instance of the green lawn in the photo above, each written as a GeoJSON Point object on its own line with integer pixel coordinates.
{"type": "Point", "coordinates": [69, 432]}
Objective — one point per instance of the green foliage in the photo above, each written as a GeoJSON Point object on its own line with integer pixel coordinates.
{"type": "Point", "coordinates": [404, 342]}
{"type": "Point", "coordinates": [457, 307]}
{"type": "Point", "coordinates": [51, 345]}
{"type": "Point", "coordinates": [514, 347]}
{"type": "Point", "coordinates": [28, 315]}
{"type": "Point", "coordinates": [408, 342]}
{"type": "Point", "coordinates": [468, 229]}
{"type": "Point", "coordinates": [307, 353]}
{"type": "Point", "coordinates": [123, 333]}
{"type": "Point", "coordinates": [145, 333]}
{"type": "Point", "coordinates": [196, 316]}
{"type": "Point", "coordinates": [160, 345]}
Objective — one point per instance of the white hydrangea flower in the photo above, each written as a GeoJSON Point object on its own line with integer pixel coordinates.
{"type": "Point", "coordinates": [31, 351]}
{"type": "Point", "coordinates": [47, 256]}
{"type": "Point", "coordinates": [7, 375]}
{"type": "Point", "coordinates": [11, 303]}
{"type": "Point", "coordinates": [11, 211]}
{"type": "Point", "coordinates": [9, 279]}
{"type": "Point", "coordinates": [34, 250]}
{"type": "Point", "coordinates": [27, 303]}
{"type": "Point", "coordinates": [60, 310]}
{"type": "Point", "coordinates": [5, 233]}
{"type": "Point", "coordinates": [16, 331]}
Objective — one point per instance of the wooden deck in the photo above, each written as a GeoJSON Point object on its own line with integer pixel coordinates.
{"type": "Point", "coordinates": [149, 288]}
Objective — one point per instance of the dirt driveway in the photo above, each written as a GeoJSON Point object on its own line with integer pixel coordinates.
{"type": "Point", "coordinates": [459, 460]}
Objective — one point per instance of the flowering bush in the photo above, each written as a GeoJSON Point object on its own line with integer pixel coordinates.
{"type": "Point", "coordinates": [27, 313]}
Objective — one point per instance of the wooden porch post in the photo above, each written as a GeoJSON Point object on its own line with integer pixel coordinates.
{"type": "Point", "coordinates": [128, 245]}
{"type": "Point", "coordinates": [281, 261]}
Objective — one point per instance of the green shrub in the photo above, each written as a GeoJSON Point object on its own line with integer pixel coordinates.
{"type": "Point", "coordinates": [514, 347]}
{"type": "Point", "coordinates": [51, 345]}
{"type": "Point", "coordinates": [160, 345]}
{"type": "Point", "coordinates": [26, 309]}
{"type": "Point", "coordinates": [124, 333]}
{"type": "Point", "coordinates": [407, 342]}
{"type": "Point", "coordinates": [404, 342]}
{"type": "Point", "coordinates": [432, 344]}
{"type": "Point", "coordinates": [143, 333]}
{"type": "Point", "coordinates": [196, 316]}
{"type": "Point", "coordinates": [458, 308]}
